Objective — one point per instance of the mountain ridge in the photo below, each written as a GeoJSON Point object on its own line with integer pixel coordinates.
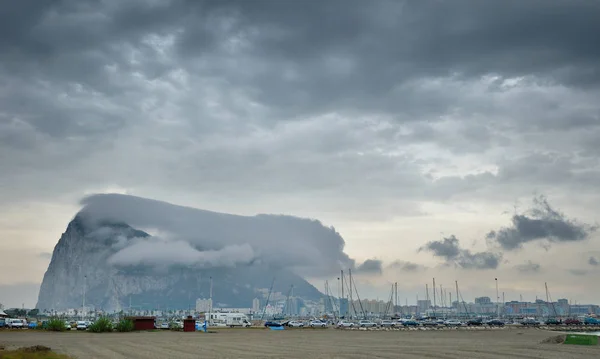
{"type": "Point", "coordinates": [83, 257]}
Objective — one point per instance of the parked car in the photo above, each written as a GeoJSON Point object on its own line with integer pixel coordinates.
{"type": "Point", "coordinates": [295, 324]}
{"type": "Point", "coordinates": [553, 321]}
{"type": "Point", "coordinates": [452, 323]}
{"type": "Point", "coordinates": [495, 323]}
{"type": "Point", "coordinates": [15, 323]}
{"type": "Point", "coordinates": [474, 322]}
{"type": "Point", "coordinates": [429, 323]}
{"type": "Point", "coordinates": [317, 324]}
{"type": "Point", "coordinates": [2, 322]}
{"type": "Point", "coordinates": [270, 323]}
{"type": "Point", "coordinates": [82, 325]}
{"type": "Point", "coordinates": [530, 322]}
{"type": "Point", "coordinates": [345, 324]}
{"type": "Point", "coordinates": [591, 321]}
{"type": "Point", "coordinates": [410, 323]}
{"type": "Point", "coordinates": [572, 321]}
{"type": "Point", "coordinates": [367, 324]}
{"type": "Point", "coordinates": [387, 324]}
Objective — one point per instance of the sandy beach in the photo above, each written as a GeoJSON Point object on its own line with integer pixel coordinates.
{"type": "Point", "coordinates": [327, 343]}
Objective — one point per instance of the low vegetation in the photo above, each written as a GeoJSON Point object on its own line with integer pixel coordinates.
{"type": "Point", "coordinates": [55, 325]}
{"type": "Point", "coordinates": [125, 325]}
{"type": "Point", "coordinates": [102, 325]}
{"type": "Point", "coordinates": [35, 352]}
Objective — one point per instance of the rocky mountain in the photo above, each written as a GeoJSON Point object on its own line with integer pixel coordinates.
{"type": "Point", "coordinates": [89, 256]}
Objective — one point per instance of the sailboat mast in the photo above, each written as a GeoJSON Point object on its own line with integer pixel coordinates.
{"type": "Point", "coordinates": [457, 298]}
{"type": "Point", "coordinates": [351, 296]}
{"type": "Point", "coordinates": [83, 303]}
{"type": "Point", "coordinates": [266, 304]}
{"type": "Point", "coordinates": [342, 276]}
{"type": "Point", "coordinates": [210, 302]}
{"type": "Point", "coordinates": [434, 304]}
{"type": "Point", "coordinates": [396, 288]}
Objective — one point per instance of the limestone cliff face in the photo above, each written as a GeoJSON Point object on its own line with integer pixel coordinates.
{"type": "Point", "coordinates": [82, 256]}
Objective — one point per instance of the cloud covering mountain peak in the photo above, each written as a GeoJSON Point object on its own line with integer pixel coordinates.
{"type": "Point", "coordinates": [189, 236]}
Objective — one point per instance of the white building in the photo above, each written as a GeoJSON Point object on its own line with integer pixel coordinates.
{"type": "Point", "coordinates": [203, 305]}
{"type": "Point", "coordinates": [256, 305]}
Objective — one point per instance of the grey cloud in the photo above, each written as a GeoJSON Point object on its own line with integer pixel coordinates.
{"type": "Point", "coordinates": [370, 266]}
{"type": "Point", "coordinates": [155, 252]}
{"type": "Point", "coordinates": [19, 294]}
{"type": "Point", "coordinates": [203, 238]}
{"type": "Point", "coordinates": [45, 255]}
{"type": "Point", "coordinates": [449, 249]}
{"type": "Point", "coordinates": [479, 260]}
{"type": "Point", "coordinates": [578, 272]}
{"type": "Point", "coordinates": [342, 65]}
{"type": "Point", "coordinates": [542, 222]}
{"type": "Point", "coordinates": [593, 261]}
{"type": "Point", "coordinates": [358, 109]}
{"type": "Point", "coordinates": [406, 266]}
{"type": "Point", "coordinates": [256, 71]}
{"type": "Point", "coordinates": [528, 267]}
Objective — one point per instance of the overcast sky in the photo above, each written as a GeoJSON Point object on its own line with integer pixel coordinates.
{"type": "Point", "coordinates": [450, 139]}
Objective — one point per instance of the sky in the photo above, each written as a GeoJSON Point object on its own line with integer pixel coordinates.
{"type": "Point", "coordinates": [455, 140]}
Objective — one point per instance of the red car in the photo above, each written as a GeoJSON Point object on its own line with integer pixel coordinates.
{"type": "Point", "coordinates": [572, 321]}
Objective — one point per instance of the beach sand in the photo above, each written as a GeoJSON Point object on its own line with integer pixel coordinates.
{"type": "Point", "coordinates": [327, 343]}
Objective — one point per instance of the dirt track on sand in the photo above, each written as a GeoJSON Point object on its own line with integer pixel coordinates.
{"type": "Point", "coordinates": [328, 343]}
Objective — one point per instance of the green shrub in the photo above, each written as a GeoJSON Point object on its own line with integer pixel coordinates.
{"type": "Point", "coordinates": [35, 352]}
{"type": "Point", "coordinates": [56, 325]}
{"type": "Point", "coordinates": [174, 326]}
{"type": "Point", "coordinates": [125, 325]}
{"type": "Point", "coordinates": [102, 325]}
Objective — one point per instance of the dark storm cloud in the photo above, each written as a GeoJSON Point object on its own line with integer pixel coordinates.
{"type": "Point", "coordinates": [144, 82]}
{"type": "Point", "coordinates": [304, 57]}
{"type": "Point", "coordinates": [528, 267]}
{"type": "Point", "coordinates": [542, 222]}
{"type": "Point", "coordinates": [370, 266]}
{"type": "Point", "coordinates": [593, 261]}
{"type": "Point", "coordinates": [449, 249]}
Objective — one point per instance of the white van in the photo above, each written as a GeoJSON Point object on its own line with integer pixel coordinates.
{"type": "Point", "coordinates": [15, 323]}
